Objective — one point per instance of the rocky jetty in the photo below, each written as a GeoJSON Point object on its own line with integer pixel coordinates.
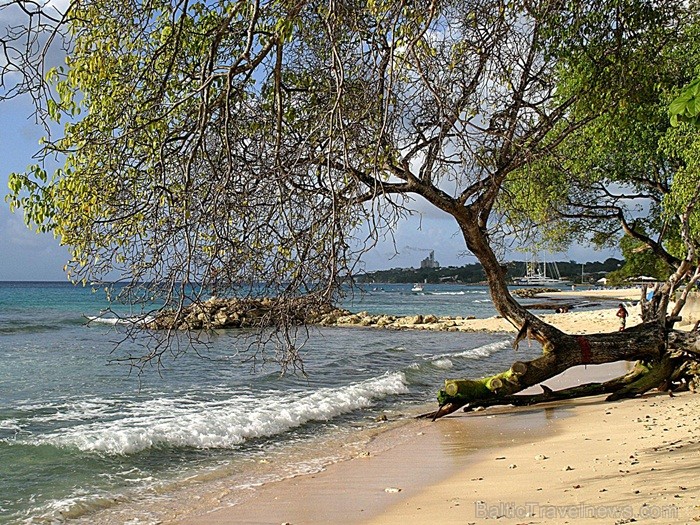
{"type": "Point", "coordinates": [412, 322]}
{"type": "Point", "coordinates": [225, 313]}
{"type": "Point", "coordinates": [532, 292]}
{"type": "Point", "coordinates": [220, 313]}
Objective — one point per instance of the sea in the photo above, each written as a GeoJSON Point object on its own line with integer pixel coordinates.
{"type": "Point", "coordinates": [87, 438]}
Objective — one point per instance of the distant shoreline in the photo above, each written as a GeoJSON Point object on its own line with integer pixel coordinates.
{"type": "Point", "coordinates": [574, 322]}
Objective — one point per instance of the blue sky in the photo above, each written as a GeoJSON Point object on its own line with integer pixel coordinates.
{"type": "Point", "coordinates": [25, 255]}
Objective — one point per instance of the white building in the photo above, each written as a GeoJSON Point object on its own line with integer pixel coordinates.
{"type": "Point", "coordinates": [429, 261]}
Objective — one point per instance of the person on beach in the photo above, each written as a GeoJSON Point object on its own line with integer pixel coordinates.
{"type": "Point", "coordinates": [622, 314]}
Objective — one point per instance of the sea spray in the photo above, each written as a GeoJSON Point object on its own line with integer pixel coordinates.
{"type": "Point", "coordinates": [220, 424]}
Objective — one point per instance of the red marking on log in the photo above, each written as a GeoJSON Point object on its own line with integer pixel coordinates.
{"type": "Point", "coordinates": [585, 346]}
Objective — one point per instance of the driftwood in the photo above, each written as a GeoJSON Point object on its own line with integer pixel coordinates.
{"type": "Point", "coordinates": [661, 355]}
{"type": "Point", "coordinates": [548, 395]}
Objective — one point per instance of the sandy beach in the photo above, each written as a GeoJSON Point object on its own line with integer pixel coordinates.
{"type": "Point", "coordinates": [582, 461]}
{"type": "Point", "coordinates": [576, 321]}
{"type": "Point", "coordinates": [585, 461]}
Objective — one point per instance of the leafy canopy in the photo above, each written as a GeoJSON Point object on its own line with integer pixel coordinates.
{"type": "Point", "coordinates": [263, 146]}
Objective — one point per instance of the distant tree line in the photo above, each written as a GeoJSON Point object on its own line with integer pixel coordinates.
{"type": "Point", "coordinates": [474, 273]}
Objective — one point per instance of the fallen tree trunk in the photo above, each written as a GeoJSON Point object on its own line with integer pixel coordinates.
{"type": "Point", "coordinates": [547, 395]}
{"type": "Point", "coordinates": [663, 353]}
{"type": "Point", "coordinates": [646, 342]}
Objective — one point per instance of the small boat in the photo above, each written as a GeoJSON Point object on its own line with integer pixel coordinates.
{"type": "Point", "coordinates": [417, 287]}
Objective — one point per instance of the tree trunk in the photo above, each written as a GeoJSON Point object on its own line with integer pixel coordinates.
{"type": "Point", "coordinates": [547, 395]}
{"type": "Point", "coordinates": [643, 342]}
{"type": "Point", "coordinates": [647, 343]}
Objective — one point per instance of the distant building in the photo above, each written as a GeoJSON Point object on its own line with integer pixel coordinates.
{"type": "Point", "coordinates": [429, 261]}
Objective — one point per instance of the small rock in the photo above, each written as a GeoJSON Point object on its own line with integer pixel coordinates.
{"type": "Point", "coordinates": [540, 457]}
{"type": "Point", "coordinates": [512, 465]}
{"type": "Point", "coordinates": [392, 490]}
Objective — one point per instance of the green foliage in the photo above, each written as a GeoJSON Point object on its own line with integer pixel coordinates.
{"type": "Point", "coordinates": [628, 167]}
{"type": "Point", "coordinates": [686, 107]}
{"type": "Point", "coordinates": [639, 260]}
{"type": "Point", "coordinates": [245, 139]}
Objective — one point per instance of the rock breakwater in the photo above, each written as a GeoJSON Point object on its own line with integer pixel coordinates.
{"type": "Point", "coordinates": [220, 313]}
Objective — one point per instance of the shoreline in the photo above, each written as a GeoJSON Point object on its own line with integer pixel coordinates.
{"type": "Point", "coordinates": [411, 471]}
{"type": "Point", "coordinates": [470, 467]}
{"type": "Point", "coordinates": [574, 322]}
{"type": "Point", "coordinates": [397, 465]}
{"type": "Point", "coordinates": [583, 460]}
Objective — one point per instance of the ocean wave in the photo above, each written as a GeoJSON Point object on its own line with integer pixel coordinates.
{"type": "Point", "coordinates": [446, 293]}
{"type": "Point", "coordinates": [9, 428]}
{"type": "Point", "coordinates": [442, 363]}
{"type": "Point", "coordinates": [34, 326]}
{"type": "Point", "coordinates": [127, 321]}
{"type": "Point", "coordinates": [219, 424]}
{"type": "Point", "coordinates": [485, 350]}
{"type": "Point", "coordinates": [480, 352]}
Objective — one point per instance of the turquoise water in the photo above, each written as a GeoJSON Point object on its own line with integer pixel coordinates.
{"type": "Point", "coordinates": [81, 431]}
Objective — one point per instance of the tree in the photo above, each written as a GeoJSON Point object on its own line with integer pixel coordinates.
{"type": "Point", "coordinates": [639, 260]}
{"type": "Point", "coordinates": [246, 142]}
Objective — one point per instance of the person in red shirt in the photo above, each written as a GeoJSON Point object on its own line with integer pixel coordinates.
{"type": "Point", "coordinates": [622, 314]}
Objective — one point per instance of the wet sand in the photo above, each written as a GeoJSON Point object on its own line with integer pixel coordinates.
{"type": "Point", "coordinates": [585, 461]}
{"type": "Point", "coordinates": [615, 463]}
{"type": "Point", "coordinates": [400, 465]}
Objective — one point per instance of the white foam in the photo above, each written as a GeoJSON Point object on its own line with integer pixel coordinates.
{"type": "Point", "coordinates": [9, 424]}
{"type": "Point", "coordinates": [71, 410]}
{"type": "Point", "coordinates": [128, 321]}
{"type": "Point", "coordinates": [479, 352]}
{"type": "Point", "coordinates": [443, 363]}
{"type": "Point", "coordinates": [485, 350]}
{"type": "Point", "coordinates": [219, 424]}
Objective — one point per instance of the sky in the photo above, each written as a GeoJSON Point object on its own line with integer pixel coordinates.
{"type": "Point", "coordinates": [28, 256]}
{"type": "Point", "coordinates": [25, 255]}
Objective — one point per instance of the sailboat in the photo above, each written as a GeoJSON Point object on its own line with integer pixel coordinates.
{"type": "Point", "coordinates": [536, 275]}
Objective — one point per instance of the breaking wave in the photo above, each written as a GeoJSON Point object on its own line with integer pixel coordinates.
{"type": "Point", "coordinates": [216, 424]}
